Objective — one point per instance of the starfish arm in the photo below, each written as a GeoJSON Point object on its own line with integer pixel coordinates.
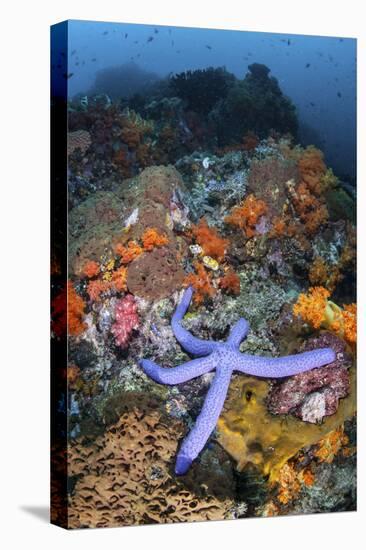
{"type": "Point", "coordinates": [177, 375]}
{"type": "Point", "coordinates": [190, 343]}
{"type": "Point", "coordinates": [279, 367]}
{"type": "Point", "coordinates": [205, 422]}
{"type": "Point", "coordinates": [238, 332]}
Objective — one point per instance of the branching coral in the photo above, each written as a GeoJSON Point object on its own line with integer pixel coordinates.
{"type": "Point", "coordinates": [208, 238]}
{"type": "Point", "coordinates": [247, 214]}
{"type": "Point", "coordinates": [151, 239]}
{"type": "Point", "coordinates": [127, 320]}
{"type": "Point", "coordinates": [201, 282]}
{"type": "Point", "coordinates": [318, 311]}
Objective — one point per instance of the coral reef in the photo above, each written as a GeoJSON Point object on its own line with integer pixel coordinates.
{"type": "Point", "coordinates": [224, 358]}
{"type": "Point", "coordinates": [196, 183]}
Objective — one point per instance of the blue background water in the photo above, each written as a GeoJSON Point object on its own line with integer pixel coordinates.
{"type": "Point", "coordinates": [324, 92]}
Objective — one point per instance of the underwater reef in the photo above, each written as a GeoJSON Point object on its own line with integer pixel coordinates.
{"type": "Point", "coordinates": [198, 191]}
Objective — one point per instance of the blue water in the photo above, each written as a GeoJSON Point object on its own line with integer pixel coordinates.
{"type": "Point", "coordinates": [318, 73]}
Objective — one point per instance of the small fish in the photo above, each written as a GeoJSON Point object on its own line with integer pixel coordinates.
{"type": "Point", "coordinates": [68, 75]}
{"type": "Point", "coordinates": [307, 65]}
{"type": "Point", "coordinates": [83, 62]}
{"type": "Point", "coordinates": [77, 63]}
{"type": "Point", "coordinates": [339, 94]}
{"type": "Point", "coordinates": [62, 54]}
{"type": "Point", "coordinates": [170, 31]}
{"type": "Point", "coordinates": [150, 39]}
{"type": "Point", "coordinates": [94, 59]}
{"type": "Point", "coordinates": [178, 51]}
{"type": "Point", "coordinates": [341, 39]}
{"type": "Point", "coordinates": [172, 43]}
{"type": "Point", "coordinates": [126, 34]}
{"type": "Point", "coordinates": [138, 55]}
{"type": "Point", "coordinates": [288, 42]}
{"type": "Point", "coordinates": [136, 41]}
{"type": "Point", "coordinates": [312, 104]}
{"type": "Point", "coordinates": [105, 33]}
{"type": "Point", "coordinates": [208, 47]}
{"type": "Point", "coordinates": [330, 57]}
{"type": "Point", "coordinates": [59, 66]}
{"type": "Point", "coordinates": [73, 53]}
{"type": "Point", "coordinates": [156, 31]}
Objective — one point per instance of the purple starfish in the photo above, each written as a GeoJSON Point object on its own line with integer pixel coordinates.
{"type": "Point", "coordinates": [225, 358]}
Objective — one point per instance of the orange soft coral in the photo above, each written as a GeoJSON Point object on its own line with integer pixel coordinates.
{"type": "Point", "coordinates": [209, 239]}
{"type": "Point", "coordinates": [349, 315]}
{"type": "Point", "coordinates": [311, 306]}
{"type": "Point", "coordinates": [201, 282]}
{"type": "Point", "coordinates": [331, 444]}
{"type": "Point", "coordinates": [312, 169]}
{"type": "Point", "coordinates": [311, 210]}
{"type": "Point", "coordinates": [320, 273]}
{"type": "Point", "coordinates": [119, 279]}
{"type": "Point", "coordinates": [75, 311]}
{"type": "Point", "coordinates": [247, 214]}
{"type": "Point", "coordinates": [128, 253]}
{"type": "Point", "coordinates": [151, 238]}
{"type": "Point", "coordinates": [318, 311]}
{"type": "Point", "coordinates": [91, 269]}
{"type": "Point", "coordinates": [68, 312]}
{"type": "Point", "coordinates": [96, 288]}
{"type": "Point", "coordinates": [231, 283]}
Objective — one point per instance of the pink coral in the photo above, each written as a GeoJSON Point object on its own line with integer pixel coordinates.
{"type": "Point", "coordinates": [127, 320]}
